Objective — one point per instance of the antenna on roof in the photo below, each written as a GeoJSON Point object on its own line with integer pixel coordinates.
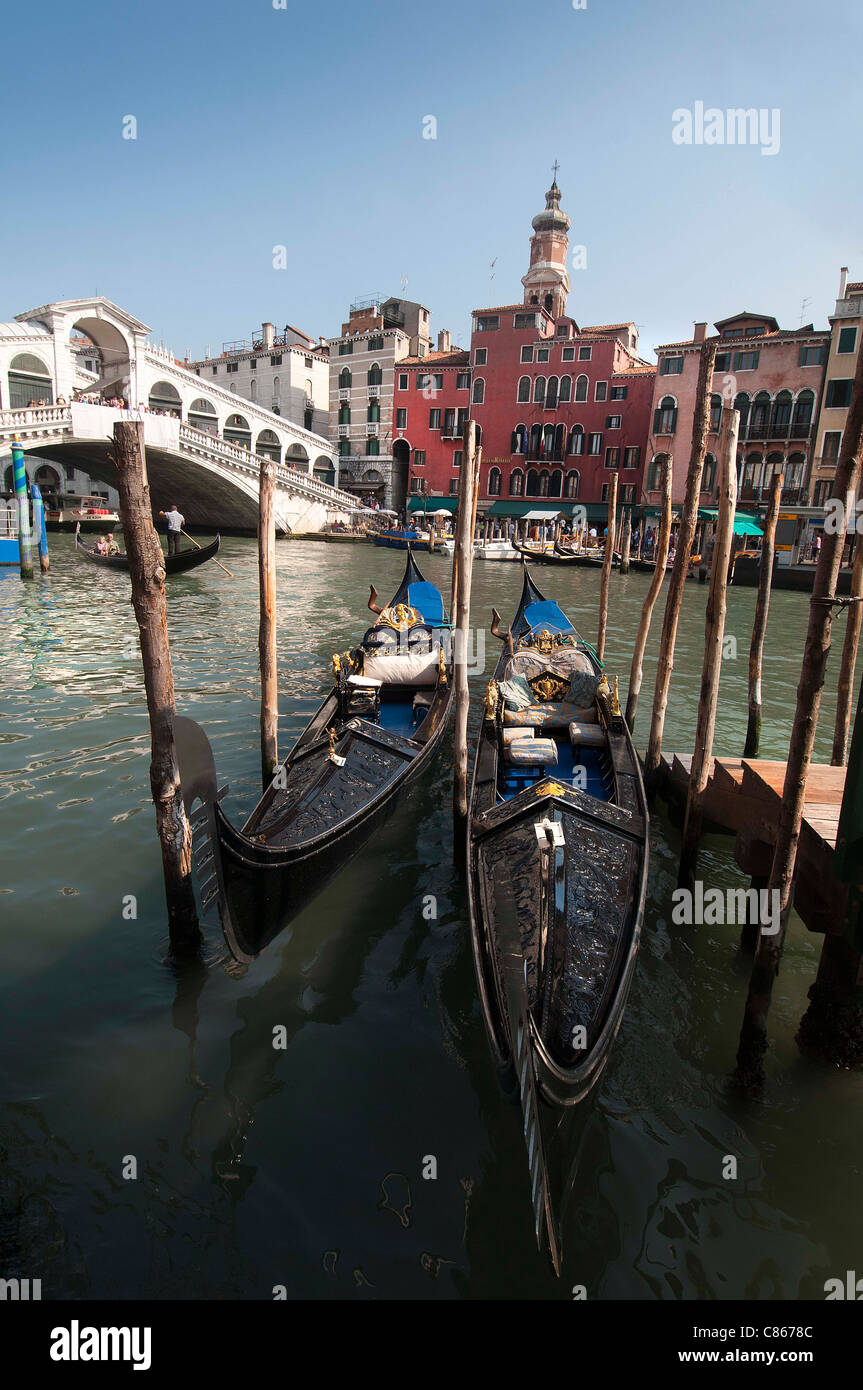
{"type": "Point", "coordinates": [803, 309]}
{"type": "Point", "coordinates": [404, 283]}
{"type": "Point", "coordinates": [491, 267]}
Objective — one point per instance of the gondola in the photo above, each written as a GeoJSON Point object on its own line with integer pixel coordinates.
{"type": "Point", "coordinates": [557, 855]}
{"type": "Point", "coordinates": [187, 560]}
{"type": "Point", "coordinates": [378, 727]}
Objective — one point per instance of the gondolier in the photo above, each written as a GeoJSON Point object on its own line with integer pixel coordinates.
{"type": "Point", "coordinates": [176, 521]}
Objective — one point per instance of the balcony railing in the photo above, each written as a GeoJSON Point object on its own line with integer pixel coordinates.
{"type": "Point", "coordinates": [372, 427]}
{"type": "Point", "coordinates": [344, 431]}
{"type": "Point", "coordinates": [374, 390]}
{"type": "Point", "coordinates": [344, 393]}
{"type": "Point", "coordinates": [789, 495]}
{"type": "Point", "coordinates": [788, 430]}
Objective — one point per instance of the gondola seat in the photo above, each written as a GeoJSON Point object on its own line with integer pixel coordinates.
{"type": "Point", "coordinates": [582, 735]}
{"type": "Point", "coordinates": [404, 668]}
{"type": "Point", "coordinates": [549, 715]}
{"type": "Point", "coordinates": [531, 752]}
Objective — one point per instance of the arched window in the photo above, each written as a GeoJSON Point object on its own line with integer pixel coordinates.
{"type": "Point", "coordinates": [780, 418]}
{"type": "Point", "coordinates": [752, 470]}
{"type": "Point", "coordinates": [516, 483]}
{"type": "Point", "coordinates": [29, 380]}
{"type": "Point", "coordinates": [478, 391]}
{"type": "Point", "coordinates": [532, 489]}
{"type": "Point", "coordinates": [253, 390]}
{"type": "Point", "coordinates": [775, 464]}
{"type": "Point", "coordinates": [202, 416]}
{"type": "Point", "coordinates": [555, 483]}
{"type": "Point", "coordinates": [375, 375]}
{"type": "Point", "coordinates": [551, 393]}
{"type": "Point", "coordinates": [494, 482]}
{"type": "Point", "coordinates": [581, 388]}
{"type": "Point", "coordinates": [478, 435]}
{"type": "Point", "coordinates": [708, 477]}
{"type": "Point", "coordinates": [548, 442]}
{"type": "Point", "coordinates": [238, 431]}
{"type": "Point", "coordinates": [534, 448]}
{"type": "Point", "coordinates": [345, 378]}
{"type": "Point", "coordinates": [760, 417]}
{"type": "Point", "coordinates": [524, 388]}
{"type": "Point", "coordinates": [576, 440]}
{"type": "Point", "coordinates": [715, 414]}
{"type": "Point", "coordinates": [742, 403]}
{"type": "Point", "coordinates": [803, 407]}
{"type": "Point", "coordinates": [572, 481]}
{"type": "Point", "coordinates": [519, 440]}
{"type": "Point", "coordinates": [559, 442]}
{"type": "Point", "coordinates": [794, 470]}
{"type": "Point", "coordinates": [276, 388]}
{"type": "Point", "coordinates": [344, 413]}
{"type": "Point", "coordinates": [543, 483]}
{"type": "Point", "coordinates": [268, 445]}
{"type": "Point", "coordinates": [165, 398]}
{"type": "Point", "coordinates": [539, 389]}
{"type": "Point", "coordinates": [654, 475]}
{"type": "Point", "coordinates": [665, 416]}
{"type": "Point", "coordinates": [565, 393]}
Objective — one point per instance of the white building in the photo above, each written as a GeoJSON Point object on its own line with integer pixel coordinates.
{"type": "Point", "coordinates": [286, 372]}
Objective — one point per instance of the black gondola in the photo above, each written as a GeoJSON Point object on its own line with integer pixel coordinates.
{"type": "Point", "coordinates": [187, 560]}
{"type": "Point", "coordinates": [377, 728]}
{"type": "Point", "coordinates": [557, 852]}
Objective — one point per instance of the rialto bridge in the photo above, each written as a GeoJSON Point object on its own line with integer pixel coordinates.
{"type": "Point", "coordinates": [204, 444]}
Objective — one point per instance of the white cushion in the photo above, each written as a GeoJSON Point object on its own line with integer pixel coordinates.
{"type": "Point", "coordinates": [408, 668]}
{"type": "Point", "coordinates": [531, 752]}
{"type": "Point", "coordinates": [510, 735]}
{"type": "Point", "coordinates": [364, 681]}
{"type": "Point", "coordinates": [587, 735]}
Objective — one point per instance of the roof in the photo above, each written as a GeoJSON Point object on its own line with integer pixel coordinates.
{"type": "Point", "coordinates": [607, 327]}
{"type": "Point", "coordinates": [854, 287]}
{"type": "Point", "coordinates": [781, 335]}
{"type": "Point", "coordinates": [521, 308]}
{"type": "Point", "coordinates": [746, 314]}
{"type": "Point", "coordinates": [645, 370]}
{"type": "Point", "coordinates": [23, 330]}
{"type": "Point", "coordinates": [456, 357]}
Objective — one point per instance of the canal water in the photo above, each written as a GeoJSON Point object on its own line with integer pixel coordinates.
{"type": "Point", "coordinates": [303, 1166]}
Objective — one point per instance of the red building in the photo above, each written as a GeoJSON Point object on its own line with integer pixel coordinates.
{"type": "Point", "coordinates": [431, 401]}
{"type": "Point", "coordinates": [558, 407]}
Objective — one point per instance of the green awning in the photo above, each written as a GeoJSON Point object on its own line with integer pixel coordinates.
{"type": "Point", "coordinates": [743, 525]}
{"type": "Point", "coordinates": [428, 505]}
{"type": "Point", "coordinates": [514, 508]}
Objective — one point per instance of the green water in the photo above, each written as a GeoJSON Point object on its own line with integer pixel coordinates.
{"type": "Point", "coordinates": [303, 1166]}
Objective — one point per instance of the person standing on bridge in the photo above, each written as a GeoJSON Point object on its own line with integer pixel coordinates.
{"type": "Point", "coordinates": [176, 521]}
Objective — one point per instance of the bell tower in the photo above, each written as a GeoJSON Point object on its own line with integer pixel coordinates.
{"type": "Point", "coordinates": [547, 281]}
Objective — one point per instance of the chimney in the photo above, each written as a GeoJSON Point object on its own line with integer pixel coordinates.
{"type": "Point", "coordinates": [700, 333]}
{"type": "Point", "coordinates": [268, 331]}
{"type": "Point", "coordinates": [444, 340]}
{"type": "Point", "coordinates": [843, 281]}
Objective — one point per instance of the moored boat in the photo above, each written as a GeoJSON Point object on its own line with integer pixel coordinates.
{"type": "Point", "coordinates": [557, 854]}
{"type": "Point", "coordinates": [181, 563]}
{"type": "Point", "coordinates": [378, 727]}
{"type": "Point", "coordinates": [69, 512]}
{"type": "Point", "coordinates": [403, 538]}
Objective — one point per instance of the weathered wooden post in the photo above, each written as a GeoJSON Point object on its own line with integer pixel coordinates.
{"type": "Point", "coordinates": [753, 1034]}
{"type": "Point", "coordinates": [468, 494]}
{"type": "Point", "coordinates": [606, 565]}
{"type": "Point", "coordinates": [714, 634]}
{"type": "Point", "coordinates": [39, 529]}
{"type": "Point", "coordinates": [661, 556]}
{"type": "Point", "coordinates": [625, 540]}
{"type": "Point", "coordinates": [267, 622]}
{"type": "Point", "coordinates": [147, 573]}
{"type": "Point", "coordinates": [845, 693]}
{"type": "Point", "coordinates": [759, 627]}
{"type": "Point", "coordinates": [25, 539]}
{"type": "Point", "coordinates": [700, 422]}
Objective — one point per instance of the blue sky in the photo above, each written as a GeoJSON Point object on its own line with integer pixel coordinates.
{"type": "Point", "coordinates": [302, 127]}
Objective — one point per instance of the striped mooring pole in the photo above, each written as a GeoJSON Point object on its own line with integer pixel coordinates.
{"type": "Point", "coordinates": [25, 540]}
{"type": "Point", "coordinates": [39, 530]}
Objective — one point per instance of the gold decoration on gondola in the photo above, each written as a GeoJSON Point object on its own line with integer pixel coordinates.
{"type": "Point", "coordinates": [333, 740]}
{"type": "Point", "coordinates": [615, 700]}
{"type": "Point", "coordinates": [603, 690]}
{"type": "Point", "coordinates": [549, 687]}
{"type": "Point", "coordinates": [400, 617]}
{"type": "Point", "coordinates": [337, 666]}
{"type": "Point", "coordinates": [551, 789]}
{"type": "Point", "coordinates": [546, 642]}
{"type": "Point", "coordinates": [442, 666]}
{"type": "Point", "coordinates": [491, 699]}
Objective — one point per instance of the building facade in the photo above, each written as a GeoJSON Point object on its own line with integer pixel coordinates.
{"type": "Point", "coordinates": [431, 405]}
{"type": "Point", "coordinates": [846, 332]}
{"type": "Point", "coordinates": [287, 373]}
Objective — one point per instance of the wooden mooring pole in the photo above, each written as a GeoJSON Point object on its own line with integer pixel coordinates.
{"type": "Point", "coordinates": [700, 422]}
{"type": "Point", "coordinates": [147, 573]}
{"type": "Point", "coordinates": [753, 1034]}
{"type": "Point", "coordinates": [845, 692]}
{"type": "Point", "coordinates": [468, 495]}
{"type": "Point", "coordinates": [625, 540]}
{"type": "Point", "coordinates": [661, 556]}
{"type": "Point", "coordinates": [267, 622]}
{"type": "Point", "coordinates": [759, 627]}
{"type": "Point", "coordinates": [714, 634]}
{"type": "Point", "coordinates": [607, 560]}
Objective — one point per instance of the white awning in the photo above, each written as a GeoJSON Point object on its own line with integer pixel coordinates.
{"type": "Point", "coordinates": [540, 516]}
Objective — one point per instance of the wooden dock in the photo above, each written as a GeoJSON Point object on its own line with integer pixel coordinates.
{"type": "Point", "coordinates": [743, 798]}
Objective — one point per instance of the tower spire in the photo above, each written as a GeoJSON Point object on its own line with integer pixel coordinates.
{"type": "Point", "coordinates": [547, 280]}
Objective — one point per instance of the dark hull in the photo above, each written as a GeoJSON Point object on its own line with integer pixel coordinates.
{"type": "Point", "coordinates": [174, 564]}
{"type": "Point", "coordinates": [315, 815]}
{"type": "Point", "coordinates": [555, 932]}
{"type": "Point", "coordinates": [801, 578]}
{"type": "Point", "coordinates": [397, 542]}
{"type": "Point", "coordinates": [551, 557]}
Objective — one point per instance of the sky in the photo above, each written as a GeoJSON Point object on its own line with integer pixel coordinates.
{"type": "Point", "coordinates": [302, 127]}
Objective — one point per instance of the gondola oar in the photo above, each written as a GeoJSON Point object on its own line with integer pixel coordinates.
{"type": "Point", "coordinates": [200, 547]}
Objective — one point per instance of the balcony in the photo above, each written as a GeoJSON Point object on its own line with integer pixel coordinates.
{"type": "Point", "coordinates": [789, 430]}
{"type": "Point", "coordinates": [344, 431]}
{"type": "Point", "coordinates": [344, 393]}
{"type": "Point", "coordinates": [450, 432]}
{"type": "Point", "coordinates": [790, 496]}
{"type": "Point", "coordinates": [374, 391]}
{"type": "Point", "coordinates": [372, 428]}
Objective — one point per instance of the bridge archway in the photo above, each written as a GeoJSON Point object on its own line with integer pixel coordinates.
{"type": "Point", "coordinates": [238, 431]}
{"type": "Point", "coordinates": [47, 478]}
{"type": "Point", "coordinates": [296, 457]}
{"type": "Point", "coordinates": [267, 444]}
{"type": "Point", "coordinates": [203, 416]}
{"type": "Point", "coordinates": [29, 381]}
{"type": "Point", "coordinates": [324, 470]}
{"type": "Point", "coordinates": [114, 351]}
{"type": "Point", "coordinates": [165, 399]}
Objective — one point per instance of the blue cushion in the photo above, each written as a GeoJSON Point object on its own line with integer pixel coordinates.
{"type": "Point", "coordinates": [427, 599]}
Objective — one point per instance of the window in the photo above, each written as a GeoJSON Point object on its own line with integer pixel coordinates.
{"type": "Point", "coordinates": [487, 323]}
{"type": "Point", "coordinates": [539, 389]}
{"type": "Point", "coordinates": [632, 456]}
{"type": "Point", "coordinates": [373, 413]}
{"type": "Point", "coordinates": [376, 343]}
{"type": "Point", "coordinates": [838, 394]}
{"type": "Point", "coordinates": [715, 414]}
{"type": "Point", "coordinates": [542, 354]}
{"type": "Point", "coordinates": [617, 393]}
{"type": "Point", "coordinates": [478, 391]}
{"type": "Point", "coordinates": [551, 393]}
{"type": "Point", "coordinates": [344, 448]}
{"type": "Point", "coordinates": [810, 356]}
{"type": "Point", "coordinates": [215, 369]}
{"type": "Point", "coordinates": [374, 376]}
{"type": "Point", "coordinates": [480, 357]}
{"type": "Point", "coordinates": [345, 349]}
{"type": "Point", "coordinates": [746, 361]}
{"type": "Point", "coordinates": [373, 447]}
{"type": "Point", "coordinates": [708, 477]}
{"type": "Point", "coordinates": [423, 381]}
{"type": "Point", "coordinates": [565, 389]}
{"type": "Point", "coordinates": [308, 361]}
{"type": "Point", "coordinates": [605, 492]}
{"type": "Point", "coordinates": [276, 359]}
{"type": "Point", "coordinates": [434, 419]}
{"type": "Point", "coordinates": [449, 422]}
{"type": "Point", "coordinates": [453, 487]}
{"type": "Point", "coordinates": [594, 443]}
{"type": "Point", "coordinates": [518, 440]}
{"type": "Point", "coordinates": [403, 381]}
{"type": "Point", "coordinates": [612, 422]}
{"type": "Point", "coordinates": [232, 367]}
{"type": "Point", "coordinates": [253, 362]}
{"type": "Point", "coordinates": [654, 476]}
{"type": "Point", "coordinates": [585, 354]}
{"type": "Point", "coordinates": [627, 493]}
{"type": "Point", "coordinates": [401, 418]}
{"type": "Point", "coordinates": [568, 354]}
{"type": "Point", "coordinates": [463, 414]}
{"type": "Point", "coordinates": [253, 390]}
{"type": "Point", "coordinates": [665, 416]}
{"type": "Point", "coordinates": [601, 390]}
{"type": "Point", "coordinates": [671, 366]}
{"type": "Point", "coordinates": [345, 378]}
{"type": "Point", "coordinates": [457, 458]}
{"type": "Point", "coordinates": [527, 353]}
{"type": "Point", "coordinates": [419, 457]}
{"type": "Point", "coordinates": [581, 388]}
{"type": "Point", "coordinates": [462, 381]}
{"type": "Point", "coordinates": [524, 321]}
{"type": "Point", "coordinates": [576, 440]}
{"type": "Point", "coordinates": [344, 413]}
{"type": "Point", "coordinates": [516, 483]}
{"type": "Point", "coordinates": [570, 487]}
{"type": "Point", "coordinates": [612, 458]}
{"type": "Point", "coordinates": [437, 380]}
{"type": "Point", "coordinates": [524, 388]}
{"type": "Point", "coordinates": [494, 482]}
{"type": "Point", "coordinates": [847, 340]}
{"type": "Point", "coordinates": [722, 361]}
{"type": "Point", "coordinates": [733, 333]}
{"type": "Point", "coordinates": [830, 445]}
{"type": "Point", "coordinates": [418, 484]}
